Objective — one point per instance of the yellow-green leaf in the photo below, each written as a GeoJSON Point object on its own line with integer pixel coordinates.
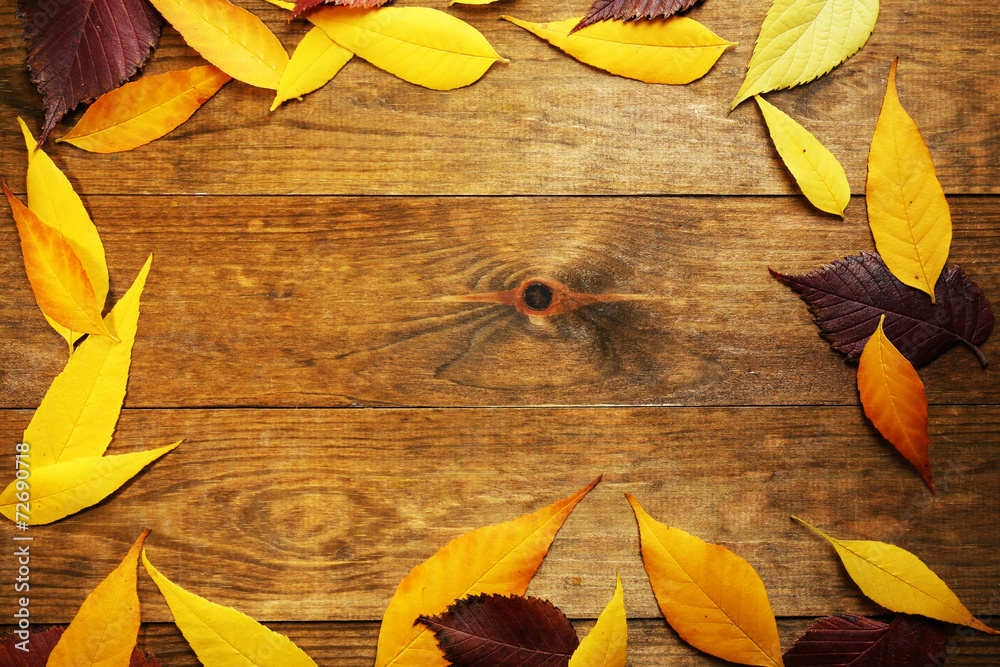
{"type": "Point", "coordinates": [802, 40]}
{"type": "Point", "coordinates": [223, 637]}
{"type": "Point", "coordinates": [815, 169]}
{"type": "Point", "coordinates": [604, 646]}
{"type": "Point", "coordinates": [316, 60]}
{"type": "Point", "coordinates": [418, 44]}
{"type": "Point", "coordinates": [675, 50]}
{"type": "Point", "coordinates": [899, 581]}
{"type": "Point", "coordinates": [907, 210]}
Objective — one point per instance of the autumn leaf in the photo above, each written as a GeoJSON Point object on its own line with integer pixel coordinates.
{"type": "Point", "coordinates": [815, 169]}
{"type": "Point", "coordinates": [676, 50]}
{"type": "Point", "coordinates": [498, 559]}
{"type": "Point", "coordinates": [503, 631]}
{"type": "Point", "coordinates": [714, 599]}
{"type": "Point", "coordinates": [302, 6]}
{"type": "Point", "coordinates": [802, 40]}
{"type": "Point", "coordinates": [38, 646]}
{"type": "Point", "coordinates": [848, 640]}
{"type": "Point", "coordinates": [316, 60]}
{"type": "Point", "coordinates": [605, 645]}
{"type": "Point", "coordinates": [144, 110]}
{"type": "Point", "coordinates": [229, 37]}
{"type": "Point", "coordinates": [632, 10]}
{"type": "Point", "coordinates": [223, 636]}
{"type": "Point", "coordinates": [848, 298]}
{"type": "Point", "coordinates": [899, 581]}
{"type": "Point", "coordinates": [907, 209]}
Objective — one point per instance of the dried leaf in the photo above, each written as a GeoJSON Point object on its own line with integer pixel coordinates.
{"type": "Point", "coordinates": [502, 631]}
{"type": "Point", "coordinates": [802, 40]}
{"type": "Point", "coordinates": [676, 51]}
{"type": "Point", "coordinates": [848, 298]}
{"type": "Point", "coordinates": [316, 60]}
{"type": "Point", "coordinates": [229, 37]}
{"type": "Point", "coordinates": [714, 599]}
{"type": "Point", "coordinates": [848, 640]}
{"type": "Point", "coordinates": [632, 10]}
{"type": "Point", "coordinates": [907, 210]}
{"type": "Point", "coordinates": [899, 581]}
{"type": "Point", "coordinates": [36, 645]}
{"type": "Point", "coordinates": [815, 169]}
{"type": "Point", "coordinates": [145, 110]}
{"type": "Point", "coordinates": [499, 559]}
{"type": "Point", "coordinates": [606, 643]}
{"type": "Point", "coordinates": [222, 636]}
{"type": "Point", "coordinates": [305, 5]}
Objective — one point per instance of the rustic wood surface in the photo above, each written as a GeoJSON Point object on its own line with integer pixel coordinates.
{"type": "Point", "coordinates": [698, 383]}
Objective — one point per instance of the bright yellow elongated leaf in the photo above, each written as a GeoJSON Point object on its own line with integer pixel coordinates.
{"type": "Point", "coordinates": [105, 629]}
{"type": "Point", "coordinates": [77, 417]}
{"type": "Point", "coordinates": [418, 44]}
{"type": "Point", "coordinates": [222, 636]}
{"type": "Point", "coordinates": [907, 210]}
{"type": "Point", "coordinates": [145, 110]}
{"type": "Point", "coordinates": [815, 169]}
{"type": "Point", "coordinates": [316, 60]}
{"type": "Point", "coordinates": [499, 559]}
{"type": "Point", "coordinates": [899, 581]}
{"type": "Point", "coordinates": [714, 599]}
{"type": "Point", "coordinates": [676, 50]}
{"type": "Point", "coordinates": [605, 645]}
{"type": "Point", "coordinates": [229, 37]}
{"type": "Point", "coordinates": [802, 40]}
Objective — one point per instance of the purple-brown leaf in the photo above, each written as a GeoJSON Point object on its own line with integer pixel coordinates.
{"type": "Point", "coordinates": [631, 10]}
{"type": "Point", "coordinates": [846, 640]}
{"type": "Point", "coordinates": [80, 49]}
{"type": "Point", "coordinates": [302, 6]}
{"type": "Point", "coordinates": [500, 631]}
{"type": "Point", "coordinates": [848, 297]}
{"type": "Point", "coordinates": [40, 645]}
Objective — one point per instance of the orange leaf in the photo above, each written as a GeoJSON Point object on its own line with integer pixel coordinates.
{"type": "Point", "coordinates": [894, 400]}
{"type": "Point", "coordinates": [61, 286]}
{"type": "Point", "coordinates": [144, 110]}
{"type": "Point", "coordinates": [714, 599]}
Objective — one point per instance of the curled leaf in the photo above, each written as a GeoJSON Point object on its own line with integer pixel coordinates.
{"type": "Point", "coordinates": [316, 60]}
{"type": "Point", "coordinates": [605, 645]}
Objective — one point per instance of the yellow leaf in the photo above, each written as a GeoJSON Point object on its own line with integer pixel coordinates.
{"type": "Point", "coordinates": [229, 37]}
{"type": "Point", "coordinates": [472, 2]}
{"type": "Point", "coordinates": [316, 60]}
{"type": "Point", "coordinates": [144, 110]}
{"type": "Point", "coordinates": [77, 417]}
{"type": "Point", "coordinates": [222, 636]}
{"type": "Point", "coordinates": [418, 44]}
{"type": "Point", "coordinates": [815, 169]}
{"type": "Point", "coordinates": [899, 581]}
{"type": "Point", "coordinates": [63, 488]}
{"type": "Point", "coordinates": [907, 210]}
{"type": "Point", "coordinates": [605, 645]}
{"type": "Point", "coordinates": [714, 599]}
{"type": "Point", "coordinates": [282, 4]}
{"type": "Point", "coordinates": [802, 40]}
{"type": "Point", "coordinates": [676, 50]}
{"type": "Point", "coordinates": [499, 559]}
{"type": "Point", "coordinates": [105, 629]}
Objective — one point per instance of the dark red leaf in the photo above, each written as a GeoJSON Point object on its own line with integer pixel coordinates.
{"type": "Point", "coordinates": [848, 297]}
{"type": "Point", "coordinates": [141, 659]}
{"type": "Point", "coordinates": [846, 640]}
{"type": "Point", "coordinates": [302, 6]}
{"type": "Point", "coordinates": [500, 631]}
{"type": "Point", "coordinates": [632, 10]}
{"type": "Point", "coordinates": [80, 49]}
{"type": "Point", "coordinates": [39, 645]}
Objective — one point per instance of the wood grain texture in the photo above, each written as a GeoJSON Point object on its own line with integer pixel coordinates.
{"type": "Point", "coordinates": [547, 124]}
{"type": "Point", "coordinates": [294, 302]}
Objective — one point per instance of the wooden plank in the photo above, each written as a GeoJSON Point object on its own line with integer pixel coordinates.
{"type": "Point", "coordinates": [332, 301]}
{"type": "Point", "coordinates": [316, 515]}
{"type": "Point", "coordinates": [547, 124]}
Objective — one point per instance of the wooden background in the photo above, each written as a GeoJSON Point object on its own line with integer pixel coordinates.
{"type": "Point", "coordinates": [346, 413]}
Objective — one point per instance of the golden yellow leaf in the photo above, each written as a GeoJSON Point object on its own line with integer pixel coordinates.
{"type": "Point", "coordinates": [499, 559]}
{"type": "Point", "coordinates": [802, 40]}
{"type": "Point", "coordinates": [676, 50]}
{"type": "Point", "coordinates": [316, 60]}
{"type": "Point", "coordinates": [144, 110]}
{"type": "Point", "coordinates": [58, 490]}
{"type": "Point", "coordinates": [472, 2]}
{"type": "Point", "coordinates": [418, 44]}
{"type": "Point", "coordinates": [604, 646]}
{"type": "Point", "coordinates": [223, 637]}
{"type": "Point", "coordinates": [77, 417]}
{"type": "Point", "coordinates": [104, 631]}
{"type": "Point", "coordinates": [907, 210]}
{"type": "Point", "coordinates": [815, 169]}
{"type": "Point", "coordinates": [229, 37]}
{"type": "Point", "coordinates": [714, 599]}
{"type": "Point", "coordinates": [899, 581]}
